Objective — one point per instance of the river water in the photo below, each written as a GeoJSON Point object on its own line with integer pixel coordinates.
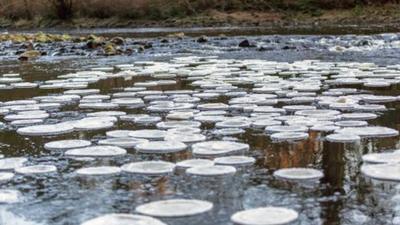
{"type": "Point", "coordinates": [342, 196]}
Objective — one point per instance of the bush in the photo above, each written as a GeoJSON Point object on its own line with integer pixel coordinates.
{"type": "Point", "coordinates": [62, 8]}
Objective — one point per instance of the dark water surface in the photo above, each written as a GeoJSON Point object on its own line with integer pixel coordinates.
{"type": "Point", "coordinates": [343, 196]}
{"type": "Point", "coordinates": [360, 29]}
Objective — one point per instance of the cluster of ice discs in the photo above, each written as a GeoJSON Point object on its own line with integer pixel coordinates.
{"type": "Point", "coordinates": [184, 208]}
{"type": "Point", "coordinates": [382, 166]}
{"type": "Point", "coordinates": [14, 81]}
{"type": "Point", "coordinates": [226, 98]}
{"type": "Point", "coordinates": [12, 166]}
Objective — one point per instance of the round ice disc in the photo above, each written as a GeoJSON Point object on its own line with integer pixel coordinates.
{"type": "Point", "coordinates": [213, 106]}
{"type": "Point", "coordinates": [289, 136]}
{"type": "Point", "coordinates": [175, 124]}
{"type": "Point", "coordinates": [358, 116]}
{"type": "Point", "coordinates": [175, 208]}
{"type": "Point", "coordinates": [123, 219]}
{"type": "Point", "coordinates": [194, 163]}
{"type": "Point", "coordinates": [293, 128]}
{"type": "Point", "coordinates": [5, 176]}
{"type": "Point", "coordinates": [185, 137]}
{"type": "Point", "coordinates": [22, 123]}
{"type": "Point", "coordinates": [8, 196]}
{"type": "Point", "coordinates": [118, 133]}
{"type": "Point", "coordinates": [52, 129]}
{"type": "Point", "coordinates": [216, 170]}
{"type": "Point", "coordinates": [12, 163]}
{"type": "Point", "coordinates": [127, 142]}
{"type": "Point", "coordinates": [13, 117]}
{"type": "Point", "coordinates": [161, 147]}
{"type": "Point", "coordinates": [151, 168]}
{"type": "Point", "coordinates": [343, 138]}
{"type": "Point", "coordinates": [96, 151]}
{"type": "Point", "coordinates": [233, 124]}
{"type": "Point", "coordinates": [235, 160]}
{"type": "Point", "coordinates": [93, 124]}
{"type": "Point", "coordinates": [265, 216]}
{"type": "Point", "coordinates": [184, 130]}
{"type": "Point", "coordinates": [383, 157]}
{"type": "Point", "coordinates": [216, 148]}
{"type": "Point", "coordinates": [98, 171]}
{"type": "Point", "coordinates": [66, 144]}
{"type": "Point", "coordinates": [317, 113]}
{"type": "Point", "coordinates": [324, 128]}
{"type": "Point", "coordinates": [262, 123]}
{"type": "Point", "coordinates": [298, 174]}
{"type": "Point", "coordinates": [106, 113]}
{"type": "Point", "coordinates": [149, 134]}
{"type": "Point", "coordinates": [389, 172]}
{"type": "Point", "coordinates": [369, 131]}
{"type": "Point", "coordinates": [229, 131]}
{"type": "Point", "coordinates": [351, 123]}
{"type": "Point", "coordinates": [36, 169]}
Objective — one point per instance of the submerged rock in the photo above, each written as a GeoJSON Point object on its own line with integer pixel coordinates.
{"type": "Point", "coordinates": [29, 55]}
{"type": "Point", "coordinates": [363, 42]}
{"type": "Point", "coordinates": [202, 39]}
{"type": "Point", "coordinates": [93, 42]}
{"type": "Point", "coordinates": [18, 38]}
{"type": "Point", "coordinates": [109, 49]}
{"type": "Point", "coordinates": [179, 35]}
{"type": "Point", "coordinates": [246, 44]}
{"type": "Point", "coordinates": [147, 45]}
{"type": "Point", "coordinates": [42, 37]}
{"type": "Point", "coordinates": [117, 40]}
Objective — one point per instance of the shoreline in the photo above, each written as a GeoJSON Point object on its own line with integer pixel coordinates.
{"type": "Point", "coordinates": [148, 32]}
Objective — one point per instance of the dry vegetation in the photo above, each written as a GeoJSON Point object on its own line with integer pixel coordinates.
{"type": "Point", "coordinates": [66, 10]}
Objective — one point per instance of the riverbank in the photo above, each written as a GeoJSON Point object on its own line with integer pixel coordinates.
{"type": "Point", "coordinates": [359, 20]}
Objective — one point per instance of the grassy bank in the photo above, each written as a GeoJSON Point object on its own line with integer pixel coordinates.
{"type": "Point", "coordinates": [154, 13]}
